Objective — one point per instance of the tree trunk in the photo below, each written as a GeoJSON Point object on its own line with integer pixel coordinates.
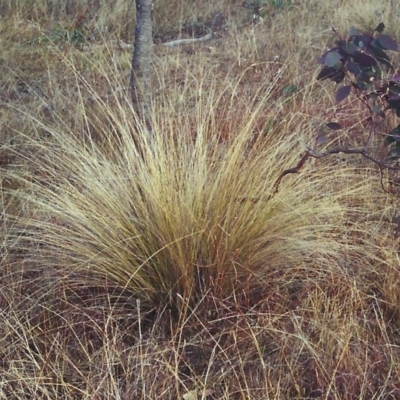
{"type": "Point", "coordinates": [141, 63]}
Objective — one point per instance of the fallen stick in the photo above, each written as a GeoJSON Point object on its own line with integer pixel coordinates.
{"type": "Point", "coordinates": [188, 41]}
{"type": "Point", "coordinates": [120, 45]}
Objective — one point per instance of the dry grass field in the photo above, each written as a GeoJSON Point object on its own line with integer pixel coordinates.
{"type": "Point", "coordinates": [173, 268]}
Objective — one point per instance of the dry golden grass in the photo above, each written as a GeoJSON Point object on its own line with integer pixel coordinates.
{"type": "Point", "coordinates": [173, 269]}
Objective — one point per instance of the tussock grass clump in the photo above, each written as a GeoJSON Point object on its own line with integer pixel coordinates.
{"type": "Point", "coordinates": [188, 211]}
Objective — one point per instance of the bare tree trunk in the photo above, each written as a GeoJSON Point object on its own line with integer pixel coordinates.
{"type": "Point", "coordinates": [140, 72]}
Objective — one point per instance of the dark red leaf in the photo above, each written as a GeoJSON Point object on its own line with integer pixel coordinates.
{"type": "Point", "coordinates": [327, 73]}
{"type": "Point", "coordinates": [381, 56]}
{"type": "Point", "coordinates": [395, 78]}
{"type": "Point", "coordinates": [380, 27]}
{"type": "Point", "coordinates": [387, 42]}
{"type": "Point", "coordinates": [338, 78]}
{"type": "Point", "coordinates": [334, 126]}
{"type": "Point", "coordinates": [332, 58]}
{"type": "Point", "coordinates": [350, 48]}
{"type": "Point", "coordinates": [353, 68]}
{"type": "Point", "coordinates": [342, 93]}
{"type": "Point", "coordinates": [322, 59]}
{"type": "Point", "coordinates": [363, 40]}
{"type": "Point", "coordinates": [364, 59]}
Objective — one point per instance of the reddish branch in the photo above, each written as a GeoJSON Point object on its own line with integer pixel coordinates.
{"type": "Point", "coordinates": [310, 153]}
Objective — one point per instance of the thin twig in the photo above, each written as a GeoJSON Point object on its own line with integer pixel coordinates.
{"type": "Point", "coordinates": [310, 153]}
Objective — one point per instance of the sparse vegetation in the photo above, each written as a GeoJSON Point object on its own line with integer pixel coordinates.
{"type": "Point", "coordinates": [176, 270]}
